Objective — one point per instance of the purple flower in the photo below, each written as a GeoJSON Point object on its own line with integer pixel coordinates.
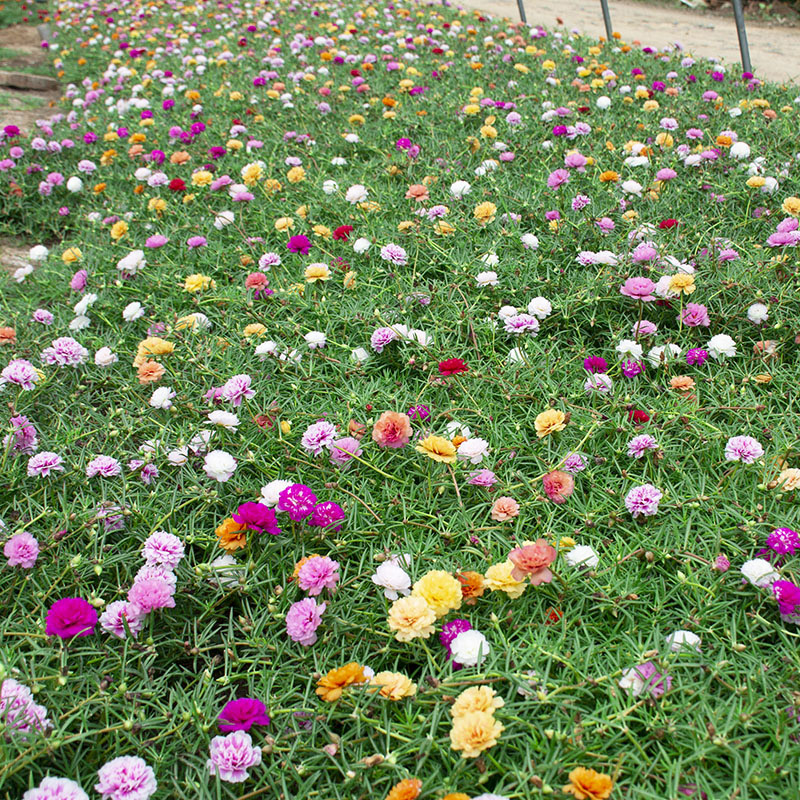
{"type": "Point", "coordinates": [303, 619]}
{"type": "Point", "coordinates": [43, 316]}
{"type": "Point", "coordinates": [327, 514]}
{"type": "Point", "coordinates": [557, 178]}
{"type": "Point", "coordinates": [257, 517]}
{"type": "Point", "coordinates": [79, 280]}
{"type": "Point", "coordinates": [743, 448]}
{"type": "Point", "coordinates": [21, 550]}
{"type": "Point", "coordinates": [645, 679]}
{"type": "Point", "coordinates": [318, 436]}
{"type": "Point", "coordinates": [643, 500]}
{"type": "Point", "coordinates": [721, 563]}
{"type": "Point", "coordinates": [196, 241]}
{"type": "Point", "coordinates": [784, 541]}
{"type": "Point", "coordinates": [150, 594]}
{"type": "Point", "coordinates": [231, 756]}
{"type": "Point", "coordinates": [242, 714]}
{"type": "Point", "coordinates": [119, 614]}
{"type": "Point", "coordinates": [318, 573]}
{"type": "Point", "coordinates": [21, 373]}
{"type": "Point", "coordinates": [595, 364]}
{"type": "Point", "coordinates": [695, 315]}
{"type": "Point", "coordinates": [450, 630]}
{"type": "Point", "coordinates": [237, 389]}
{"type": "Point", "coordinates": [382, 337]}
{"type": "Point", "coordinates": [65, 352]}
{"type": "Point", "coordinates": [394, 254]}
{"type": "Point", "coordinates": [105, 466]}
{"type": "Point", "coordinates": [639, 289]}
{"type": "Point", "coordinates": [23, 438]}
{"type": "Point", "coordinates": [56, 788]}
{"type": "Point", "coordinates": [155, 241]}
{"type": "Point", "coordinates": [297, 501]}
{"type": "Point", "coordinates": [126, 778]}
{"type": "Point", "coordinates": [631, 368]}
{"type": "Point", "coordinates": [71, 616]}
{"type": "Point", "coordinates": [482, 477]}
{"type": "Point", "coordinates": [639, 445]}
{"type": "Point", "coordinates": [18, 712]}
{"type": "Point", "coordinates": [574, 463]}
{"type": "Point", "coordinates": [696, 356]}
{"type": "Point", "coordinates": [163, 548]}
{"type": "Point", "coordinates": [343, 450]}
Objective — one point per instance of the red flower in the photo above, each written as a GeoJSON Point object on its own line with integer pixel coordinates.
{"type": "Point", "coordinates": [452, 366]}
{"type": "Point", "coordinates": [639, 417]}
{"type": "Point", "coordinates": [666, 224]}
{"type": "Point", "coordinates": [552, 615]}
{"type": "Point", "coordinates": [177, 184]}
{"type": "Point", "coordinates": [342, 232]}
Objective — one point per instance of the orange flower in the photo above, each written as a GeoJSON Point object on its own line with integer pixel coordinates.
{"type": "Point", "coordinates": [504, 508]}
{"type": "Point", "coordinates": [682, 383]}
{"type": "Point", "coordinates": [8, 336]}
{"type": "Point", "coordinates": [179, 157]}
{"type": "Point", "coordinates": [472, 586]}
{"type": "Point", "coordinates": [609, 176]}
{"type": "Point", "coordinates": [408, 789]}
{"type": "Point", "coordinates": [456, 796]}
{"type": "Point", "coordinates": [586, 784]}
{"type": "Point", "coordinates": [392, 429]}
{"type": "Point", "coordinates": [150, 372]}
{"type": "Point", "coordinates": [417, 192]}
{"type": "Point", "coordinates": [331, 686]}
{"type": "Point", "coordinates": [231, 535]}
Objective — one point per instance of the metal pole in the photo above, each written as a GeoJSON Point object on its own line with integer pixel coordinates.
{"type": "Point", "coordinates": [607, 20]}
{"type": "Point", "coordinates": [738, 15]}
{"type": "Point", "coordinates": [521, 7]}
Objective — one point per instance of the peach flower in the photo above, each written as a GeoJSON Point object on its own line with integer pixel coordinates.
{"type": "Point", "coordinates": [504, 508]}
{"type": "Point", "coordinates": [533, 559]}
{"type": "Point", "coordinates": [392, 430]}
{"type": "Point", "coordinates": [558, 486]}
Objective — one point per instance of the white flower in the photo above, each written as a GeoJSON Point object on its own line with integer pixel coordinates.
{"type": "Point", "coordinates": [632, 187]}
{"type": "Point", "coordinates": [315, 339]}
{"type": "Point", "coordinates": [470, 648]}
{"type": "Point", "coordinates": [197, 322]}
{"type": "Point", "coordinates": [663, 288]}
{"type": "Point", "coordinates": [143, 173]}
{"type": "Point", "coordinates": [739, 150]}
{"type": "Point", "coordinates": [352, 138]}
{"type": "Point", "coordinates": [223, 218]}
{"type": "Point", "coordinates": [473, 450]}
{"type": "Point", "coordinates": [22, 273]}
{"type": "Point", "coordinates": [74, 185]}
{"type": "Point", "coordinates": [330, 187]}
{"type": "Point", "coordinates": [82, 306]}
{"type": "Point", "coordinates": [420, 337]}
{"type": "Point", "coordinates": [79, 323]}
{"type": "Point", "coordinates": [225, 419]}
{"type": "Point", "coordinates": [132, 312]}
{"type": "Point", "coordinates": [271, 492]}
{"type": "Point", "coordinates": [606, 257]}
{"type": "Point", "coordinates": [529, 241]}
{"type": "Point", "coordinates": [628, 348]}
{"type": "Point", "coordinates": [603, 102]}
{"type": "Point", "coordinates": [490, 259]}
{"type": "Point", "coordinates": [456, 428]}
{"type": "Point", "coordinates": [361, 245]}
{"type": "Point", "coordinates": [356, 194]}
{"type": "Point", "coordinates": [662, 355]}
{"type": "Point", "coordinates": [219, 465]}
{"type": "Point", "coordinates": [393, 579]}
{"type": "Point", "coordinates": [460, 188]}
{"type": "Point", "coordinates": [582, 556]}
{"type": "Point", "coordinates": [162, 397]}
{"type": "Point", "coordinates": [514, 356]}
{"type": "Point", "coordinates": [721, 345]}
{"type": "Point", "coordinates": [770, 185]}
{"type": "Point", "coordinates": [225, 571]}
{"type": "Point", "coordinates": [38, 253]}
{"type": "Point", "coordinates": [488, 278]}
{"type": "Point", "coordinates": [359, 355]}
{"type": "Point", "coordinates": [757, 313]}
{"type": "Point", "coordinates": [540, 307]}
{"type": "Point", "coordinates": [680, 639]}
{"type": "Point", "coordinates": [759, 572]}
{"type": "Point", "coordinates": [265, 349]}
{"type": "Point", "coordinates": [178, 457]}
{"type": "Point", "coordinates": [105, 358]}
{"type": "Point", "coordinates": [506, 312]}
{"type": "Point", "coordinates": [132, 263]}
{"type": "Point", "coordinates": [338, 161]}
{"type": "Point", "coordinates": [599, 382]}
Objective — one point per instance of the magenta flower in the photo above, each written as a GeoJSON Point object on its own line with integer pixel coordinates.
{"type": "Point", "coordinates": [642, 501]}
{"type": "Point", "coordinates": [639, 289]}
{"type": "Point", "coordinates": [327, 514]}
{"type": "Point", "coordinates": [318, 573]}
{"type": "Point", "coordinates": [71, 616]}
{"type": "Point", "coordinates": [21, 550]}
{"type": "Point", "coordinates": [231, 756]}
{"type": "Point", "coordinates": [242, 714]}
{"type": "Point", "coordinates": [782, 540]}
{"type": "Point", "coordinates": [631, 368]}
{"type": "Point", "coordinates": [788, 596]}
{"type": "Point", "coordinates": [696, 356]}
{"type": "Point", "coordinates": [299, 244]}
{"type": "Point", "coordinates": [450, 630]}
{"type": "Point", "coordinates": [126, 778]}
{"type": "Point", "coordinates": [303, 619]}
{"type": "Point", "coordinates": [257, 517]}
{"type": "Point", "coordinates": [595, 364]}
{"type": "Point", "coordinates": [297, 501]}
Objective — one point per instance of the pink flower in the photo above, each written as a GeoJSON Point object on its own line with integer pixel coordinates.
{"type": "Point", "coordinates": [643, 500]}
{"type": "Point", "coordinates": [18, 713]}
{"type": "Point", "coordinates": [126, 778]}
{"type": "Point", "coordinates": [318, 436]}
{"type": "Point", "coordinates": [557, 178]}
{"type": "Point", "coordinates": [639, 445]}
{"type": "Point", "coordinates": [558, 486]}
{"type": "Point", "coordinates": [695, 315]}
{"type": "Point", "coordinates": [105, 466]}
{"type": "Point", "coordinates": [318, 573]}
{"type": "Point", "coordinates": [237, 389]}
{"type": "Point", "coordinates": [21, 373]}
{"type": "Point", "coordinates": [21, 550]}
{"type": "Point", "coordinates": [56, 789]}
{"type": "Point", "coordinates": [231, 756]}
{"type": "Point", "coordinates": [303, 619]}
{"type": "Point", "coordinates": [42, 464]}
{"type": "Point", "coordinates": [151, 593]}
{"type": "Point", "coordinates": [113, 619]}
{"type": "Point", "coordinates": [534, 560]}
{"type": "Point", "coordinates": [504, 508]}
{"type": "Point", "coordinates": [743, 448]}
{"type": "Point", "coordinates": [164, 548]}
{"type": "Point", "coordinates": [65, 352]}
{"type": "Point", "coordinates": [639, 289]}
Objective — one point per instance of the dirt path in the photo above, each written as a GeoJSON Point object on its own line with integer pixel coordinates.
{"type": "Point", "coordinates": [21, 53]}
{"type": "Point", "coordinates": [774, 50]}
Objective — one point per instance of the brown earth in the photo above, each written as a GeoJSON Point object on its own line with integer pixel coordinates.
{"type": "Point", "coordinates": [774, 46]}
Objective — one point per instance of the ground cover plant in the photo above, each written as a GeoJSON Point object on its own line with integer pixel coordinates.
{"type": "Point", "coordinates": [397, 403]}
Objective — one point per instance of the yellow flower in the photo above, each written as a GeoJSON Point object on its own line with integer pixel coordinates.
{"type": "Point", "coordinates": [302, 211]}
{"type": "Point", "coordinates": [489, 132]}
{"type": "Point", "coordinates": [443, 228]}
{"type": "Point", "coordinates": [394, 685]}
{"type": "Point", "coordinates": [549, 65]}
{"type": "Point", "coordinates": [349, 281]}
{"type": "Point", "coordinates": [440, 590]}
{"type": "Point", "coordinates": [485, 213]}
{"type": "Point", "coordinates": [438, 448]}
{"type": "Point", "coordinates": [71, 255]}
{"type": "Point", "coordinates": [252, 173]}
{"type": "Point", "coordinates": [587, 784]}
{"type": "Point", "coordinates": [284, 224]}
{"type": "Point", "coordinates": [472, 109]}
{"type": "Point", "coordinates": [755, 181]}
{"type": "Point", "coordinates": [410, 618]}
{"type": "Point", "coordinates": [296, 175]}
{"type": "Point", "coordinates": [499, 579]}
{"type": "Point", "coordinates": [118, 230]}
{"type": "Point", "coordinates": [189, 322]}
{"type": "Point", "coordinates": [152, 346]}
{"type": "Point", "coordinates": [356, 119]}
{"type": "Point", "coordinates": [791, 205]}
{"type": "Point", "coordinates": [271, 185]}
{"type": "Point", "coordinates": [198, 282]}
{"type": "Point", "coordinates": [255, 329]}
{"type": "Point", "coordinates": [156, 204]}
{"type": "Point", "coordinates": [474, 732]}
{"type": "Point", "coordinates": [202, 178]}
{"type": "Point", "coordinates": [317, 272]}
{"type": "Point", "coordinates": [322, 230]}
{"type": "Point", "coordinates": [476, 698]}
{"type": "Point", "coordinates": [286, 427]}
{"type": "Point", "coordinates": [682, 283]}
{"type": "Point", "coordinates": [549, 422]}
{"type": "Point", "coordinates": [566, 543]}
